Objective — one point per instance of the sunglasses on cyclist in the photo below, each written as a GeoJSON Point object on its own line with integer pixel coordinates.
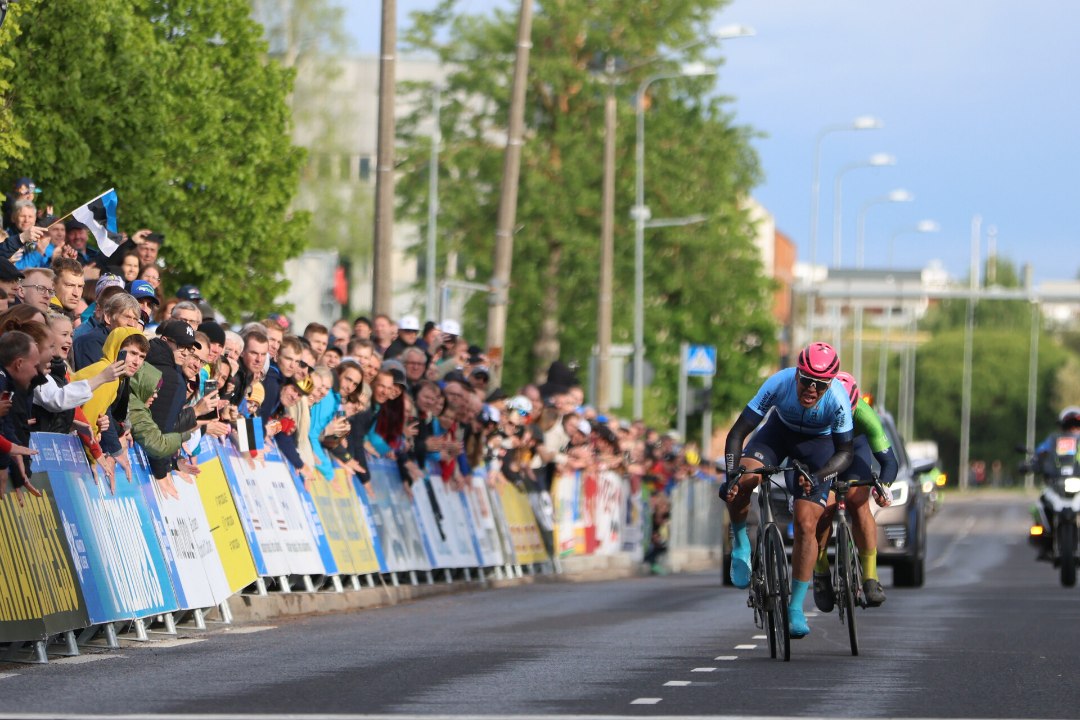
{"type": "Point", "coordinates": [819, 384]}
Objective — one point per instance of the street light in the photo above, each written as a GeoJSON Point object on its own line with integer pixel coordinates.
{"type": "Point", "coordinates": [607, 225]}
{"type": "Point", "coordinates": [640, 214]}
{"type": "Point", "coordinates": [895, 196]}
{"type": "Point", "coordinates": [876, 160]}
{"type": "Point", "coordinates": [923, 226]}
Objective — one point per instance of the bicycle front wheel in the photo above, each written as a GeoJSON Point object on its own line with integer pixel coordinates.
{"type": "Point", "coordinates": [778, 590]}
{"type": "Point", "coordinates": [847, 577]}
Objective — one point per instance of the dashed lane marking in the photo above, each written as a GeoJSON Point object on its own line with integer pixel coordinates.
{"type": "Point", "coordinates": [746, 647]}
{"type": "Point", "coordinates": [726, 657]}
{"type": "Point", "coordinates": [646, 701]}
{"type": "Point", "coordinates": [676, 683]}
{"type": "Point", "coordinates": [704, 669]}
{"type": "Point", "coordinates": [760, 637]}
{"type": "Point", "coordinates": [4, 676]}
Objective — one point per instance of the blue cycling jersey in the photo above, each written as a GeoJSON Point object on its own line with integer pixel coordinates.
{"type": "Point", "coordinates": [831, 414]}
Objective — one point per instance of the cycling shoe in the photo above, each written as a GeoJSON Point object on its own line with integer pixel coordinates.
{"type": "Point", "coordinates": [797, 625]}
{"type": "Point", "coordinates": [824, 598]}
{"type": "Point", "coordinates": [740, 571]}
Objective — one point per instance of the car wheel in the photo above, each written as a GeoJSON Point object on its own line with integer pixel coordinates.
{"type": "Point", "coordinates": [909, 572]}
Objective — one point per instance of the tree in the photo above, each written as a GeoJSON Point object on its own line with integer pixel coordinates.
{"type": "Point", "coordinates": [174, 103]}
{"type": "Point", "coordinates": [704, 283]}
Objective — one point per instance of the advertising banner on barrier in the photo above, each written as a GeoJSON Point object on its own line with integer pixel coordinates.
{"type": "Point", "coordinates": [225, 526]}
{"type": "Point", "coordinates": [196, 571]}
{"type": "Point", "coordinates": [395, 519]}
{"type": "Point", "coordinates": [608, 512]}
{"type": "Point", "coordinates": [321, 528]}
{"type": "Point", "coordinates": [257, 512]}
{"type": "Point", "coordinates": [521, 523]}
{"type": "Point", "coordinates": [342, 517]}
{"type": "Point", "coordinates": [477, 503]}
{"type": "Point", "coordinates": [291, 522]}
{"type": "Point", "coordinates": [449, 532]}
{"type": "Point", "coordinates": [633, 537]}
{"type": "Point", "coordinates": [39, 588]}
{"type": "Point", "coordinates": [119, 562]}
{"type": "Point", "coordinates": [569, 530]}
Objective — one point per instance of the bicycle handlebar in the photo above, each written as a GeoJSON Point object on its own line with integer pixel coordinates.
{"type": "Point", "coordinates": [763, 471]}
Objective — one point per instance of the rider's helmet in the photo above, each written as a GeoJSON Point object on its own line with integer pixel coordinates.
{"type": "Point", "coordinates": [1069, 418]}
{"type": "Point", "coordinates": [850, 387]}
{"type": "Point", "coordinates": [818, 360]}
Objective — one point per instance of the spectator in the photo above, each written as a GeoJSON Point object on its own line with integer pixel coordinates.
{"type": "Point", "coordinates": [19, 359]}
{"type": "Point", "coordinates": [188, 312]}
{"type": "Point", "coordinates": [415, 362]}
{"type": "Point", "coordinates": [147, 298]}
{"type": "Point", "coordinates": [362, 328]}
{"type": "Point", "coordinates": [408, 329]}
{"type": "Point", "coordinates": [430, 338]}
{"type": "Point", "coordinates": [339, 335]}
{"type": "Point", "coordinates": [121, 310]}
{"type": "Point", "coordinates": [252, 362]}
{"type": "Point", "coordinates": [9, 278]}
{"type": "Point", "coordinates": [76, 238]}
{"type": "Point", "coordinates": [332, 357]}
{"type": "Point", "coordinates": [68, 285]}
{"type": "Point", "coordinates": [93, 317]}
{"type": "Point", "coordinates": [127, 265]}
{"type": "Point", "coordinates": [318, 337]}
{"type": "Point", "coordinates": [37, 287]}
{"type": "Point", "coordinates": [382, 333]}
{"type": "Point", "coordinates": [152, 275]}
{"type": "Point", "coordinates": [148, 250]}
{"type": "Point", "coordinates": [274, 335]}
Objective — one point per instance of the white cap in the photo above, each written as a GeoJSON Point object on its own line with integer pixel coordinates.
{"type": "Point", "coordinates": [584, 426]}
{"type": "Point", "coordinates": [450, 327]}
{"type": "Point", "coordinates": [521, 404]}
{"type": "Point", "coordinates": [409, 322]}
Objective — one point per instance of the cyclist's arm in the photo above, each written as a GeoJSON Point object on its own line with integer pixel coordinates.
{"type": "Point", "coordinates": [869, 424]}
{"type": "Point", "coordinates": [747, 421]}
{"type": "Point", "coordinates": [844, 444]}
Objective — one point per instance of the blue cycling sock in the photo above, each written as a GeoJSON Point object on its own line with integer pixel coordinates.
{"type": "Point", "coordinates": [798, 593]}
{"type": "Point", "coordinates": [740, 555]}
{"type": "Point", "coordinates": [797, 625]}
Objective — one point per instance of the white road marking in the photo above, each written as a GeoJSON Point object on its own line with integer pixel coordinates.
{"type": "Point", "coordinates": [704, 669]}
{"type": "Point", "coordinates": [760, 637]}
{"type": "Point", "coordinates": [248, 629]}
{"type": "Point", "coordinates": [7, 675]}
{"type": "Point", "coordinates": [645, 701]}
{"type": "Point", "coordinates": [80, 659]}
{"type": "Point", "coordinates": [726, 657]}
{"type": "Point", "coordinates": [746, 647]}
{"type": "Point", "coordinates": [676, 683]}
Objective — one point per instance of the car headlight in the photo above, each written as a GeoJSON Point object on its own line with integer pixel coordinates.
{"type": "Point", "coordinates": [1072, 484]}
{"type": "Point", "coordinates": [901, 491]}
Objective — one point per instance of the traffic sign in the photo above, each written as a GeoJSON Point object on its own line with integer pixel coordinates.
{"type": "Point", "coordinates": [701, 360]}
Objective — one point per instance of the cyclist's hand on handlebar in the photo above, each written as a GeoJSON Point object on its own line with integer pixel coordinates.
{"type": "Point", "coordinates": [808, 481]}
{"type": "Point", "coordinates": [882, 495]}
{"type": "Point", "coordinates": [730, 489]}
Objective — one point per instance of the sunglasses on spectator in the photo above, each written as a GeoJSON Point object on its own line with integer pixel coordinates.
{"type": "Point", "coordinates": [819, 384]}
{"type": "Point", "coordinates": [304, 365]}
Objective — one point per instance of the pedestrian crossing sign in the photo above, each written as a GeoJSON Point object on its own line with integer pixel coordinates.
{"type": "Point", "coordinates": [701, 360]}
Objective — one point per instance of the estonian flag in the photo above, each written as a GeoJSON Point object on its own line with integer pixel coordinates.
{"type": "Point", "coordinates": [99, 217]}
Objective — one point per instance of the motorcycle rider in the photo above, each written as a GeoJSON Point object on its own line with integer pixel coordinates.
{"type": "Point", "coordinates": [1046, 464]}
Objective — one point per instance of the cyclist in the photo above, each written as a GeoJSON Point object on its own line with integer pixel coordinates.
{"type": "Point", "coordinates": [870, 438]}
{"type": "Point", "coordinates": [1045, 463]}
{"type": "Point", "coordinates": [811, 423]}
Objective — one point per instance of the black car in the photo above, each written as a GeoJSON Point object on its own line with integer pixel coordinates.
{"type": "Point", "coordinates": [901, 527]}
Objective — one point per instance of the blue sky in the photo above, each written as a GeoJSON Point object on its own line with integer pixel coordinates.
{"type": "Point", "coordinates": [979, 100]}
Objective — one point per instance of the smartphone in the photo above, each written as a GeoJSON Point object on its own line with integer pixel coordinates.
{"type": "Point", "coordinates": [121, 356]}
{"type": "Point", "coordinates": [339, 415]}
{"type": "Point", "coordinates": [210, 386]}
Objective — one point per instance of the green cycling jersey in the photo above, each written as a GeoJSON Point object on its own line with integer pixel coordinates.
{"type": "Point", "coordinates": [868, 423]}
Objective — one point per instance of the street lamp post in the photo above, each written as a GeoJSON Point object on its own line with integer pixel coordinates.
{"type": "Point", "coordinates": [923, 226]}
{"type": "Point", "coordinates": [863, 122]}
{"type": "Point", "coordinates": [640, 214]}
{"type": "Point", "coordinates": [898, 195]}
{"type": "Point", "coordinates": [876, 160]}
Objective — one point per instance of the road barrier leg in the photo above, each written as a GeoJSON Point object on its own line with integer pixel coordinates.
{"type": "Point", "coordinates": [468, 575]}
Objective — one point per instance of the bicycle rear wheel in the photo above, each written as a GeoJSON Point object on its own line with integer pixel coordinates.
{"type": "Point", "coordinates": [846, 577]}
{"type": "Point", "coordinates": [779, 591]}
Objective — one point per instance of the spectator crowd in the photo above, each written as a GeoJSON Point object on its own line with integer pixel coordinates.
{"type": "Point", "coordinates": [94, 345]}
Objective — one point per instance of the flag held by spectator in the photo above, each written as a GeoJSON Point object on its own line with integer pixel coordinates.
{"type": "Point", "coordinates": [99, 217]}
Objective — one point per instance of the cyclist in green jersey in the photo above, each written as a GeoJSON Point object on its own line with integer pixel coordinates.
{"type": "Point", "coordinates": [870, 438]}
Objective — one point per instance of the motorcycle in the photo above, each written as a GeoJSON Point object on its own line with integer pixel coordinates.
{"type": "Point", "coordinates": [1054, 530]}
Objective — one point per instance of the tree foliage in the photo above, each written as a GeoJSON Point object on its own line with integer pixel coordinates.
{"type": "Point", "coordinates": [175, 104]}
{"type": "Point", "coordinates": [704, 283]}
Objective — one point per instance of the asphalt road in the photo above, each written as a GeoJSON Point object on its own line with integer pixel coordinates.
{"type": "Point", "coordinates": [991, 635]}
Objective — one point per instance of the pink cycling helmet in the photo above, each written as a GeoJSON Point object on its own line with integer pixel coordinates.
{"type": "Point", "coordinates": [819, 360]}
{"type": "Point", "coordinates": [850, 386]}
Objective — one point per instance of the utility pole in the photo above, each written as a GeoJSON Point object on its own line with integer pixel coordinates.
{"type": "Point", "coordinates": [382, 280]}
{"type": "Point", "coordinates": [504, 233]}
{"type": "Point", "coordinates": [607, 248]}
{"type": "Point", "coordinates": [969, 335]}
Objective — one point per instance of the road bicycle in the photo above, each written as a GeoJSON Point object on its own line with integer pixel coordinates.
{"type": "Point", "coordinates": [847, 571]}
{"type": "Point", "coordinates": [769, 587]}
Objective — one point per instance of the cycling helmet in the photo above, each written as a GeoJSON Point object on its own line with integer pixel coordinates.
{"type": "Point", "coordinates": [1070, 416]}
{"type": "Point", "coordinates": [850, 386]}
{"type": "Point", "coordinates": [819, 360]}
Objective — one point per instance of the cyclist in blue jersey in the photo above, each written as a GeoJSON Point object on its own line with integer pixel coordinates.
{"type": "Point", "coordinates": [810, 422]}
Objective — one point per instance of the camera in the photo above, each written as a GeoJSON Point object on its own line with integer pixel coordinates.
{"type": "Point", "coordinates": [210, 386]}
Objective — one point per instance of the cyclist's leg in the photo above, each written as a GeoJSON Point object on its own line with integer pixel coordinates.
{"type": "Point", "coordinates": [824, 597]}
{"type": "Point", "coordinates": [809, 508]}
{"type": "Point", "coordinates": [864, 527]}
{"type": "Point", "coordinates": [757, 453]}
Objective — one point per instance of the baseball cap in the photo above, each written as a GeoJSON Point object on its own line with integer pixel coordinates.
{"type": "Point", "coordinates": [189, 292]}
{"type": "Point", "coordinates": [409, 322]}
{"type": "Point", "coordinates": [480, 370]}
{"type": "Point", "coordinates": [450, 327]}
{"type": "Point", "coordinates": [520, 404]}
{"type": "Point", "coordinates": [281, 321]}
{"type": "Point", "coordinates": [8, 271]}
{"type": "Point", "coordinates": [108, 280]}
{"type": "Point", "coordinates": [142, 289]}
{"type": "Point", "coordinates": [179, 332]}
{"type": "Point", "coordinates": [73, 224]}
